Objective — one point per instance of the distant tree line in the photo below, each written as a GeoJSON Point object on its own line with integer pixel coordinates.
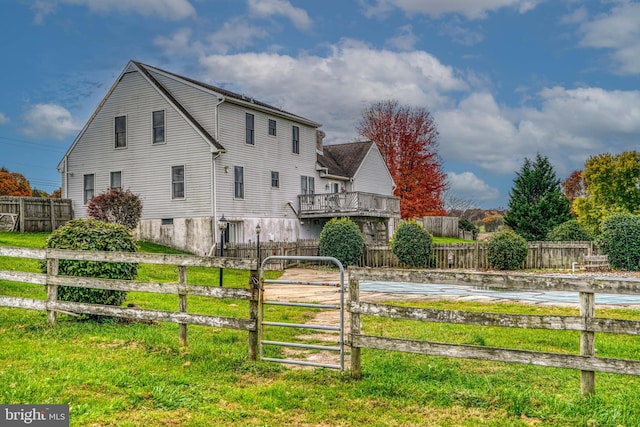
{"type": "Point", "coordinates": [15, 184]}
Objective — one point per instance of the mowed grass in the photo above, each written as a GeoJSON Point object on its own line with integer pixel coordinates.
{"type": "Point", "coordinates": [131, 374]}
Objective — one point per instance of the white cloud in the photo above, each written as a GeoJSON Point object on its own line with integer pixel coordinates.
{"type": "Point", "coordinates": [478, 131]}
{"type": "Point", "coordinates": [468, 186]}
{"type": "Point", "coordinates": [333, 89]}
{"type": "Point", "coordinates": [472, 9]}
{"type": "Point", "coordinates": [268, 8]}
{"type": "Point", "coordinates": [49, 121]}
{"type": "Point", "coordinates": [405, 40]}
{"type": "Point", "coordinates": [179, 43]}
{"type": "Point", "coordinates": [166, 9]}
{"type": "Point", "coordinates": [4, 119]}
{"type": "Point", "coordinates": [460, 32]}
{"type": "Point", "coordinates": [235, 34]}
{"type": "Point", "coordinates": [618, 31]}
{"type": "Point", "coordinates": [568, 127]}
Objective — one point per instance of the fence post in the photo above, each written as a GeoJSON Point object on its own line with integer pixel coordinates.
{"type": "Point", "coordinates": [52, 290]}
{"type": "Point", "coordinates": [254, 309]}
{"type": "Point", "coordinates": [182, 284]}
{"type": "Point", "coordinates": [52, 215]}
{"type": "Point", "coordinates": [21, 215]}
{"type": "Point", "coordinates": [354, 298]}
{"type": "Point", "coordinates": [587, 341]}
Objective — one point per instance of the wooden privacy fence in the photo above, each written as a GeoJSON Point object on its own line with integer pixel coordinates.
{"type": "Point", "coordinates": [549, 255]}
{"type": "Point", "coordinates": [33, 214]}
{"type": "Point", "coordinates": [180, 288]}
{"type": "Point", "coordinates": [586, 323]}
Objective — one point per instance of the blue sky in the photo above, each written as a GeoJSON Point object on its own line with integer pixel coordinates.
{"type": "Point", "coordinates": [504, 79]}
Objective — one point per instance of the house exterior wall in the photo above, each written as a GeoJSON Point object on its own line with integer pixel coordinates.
{"type": "Point", "coordinates": [373, 175]}
{"type": "Point", "coordinates": [191, 223]}
{"type": "Point", "coordinates": [201, 104]}
{"type": "Point", "coordinates": [145, 167]}
{"type": "Point", "coordinates": [267, 154]}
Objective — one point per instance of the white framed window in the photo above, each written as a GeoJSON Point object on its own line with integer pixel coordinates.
{"type": "Point", "coordinates": [88, 187]}
{"type": "Point", "coordinates": [158, 127]}
{"type": "Point", "coordinates": [275, 179]}
{"type": "Point", "coordinates": [120, 127]}
{"type": "Point", "coordinates": [177, 182]}
{"type": "Point", "coordinates": [238, 182]}
{"type": "Point", "coordinates": [233, 233]}
{"type": "Point", "coordinates": [307, 185]}
{"type": "Point", "coordinates": [272, 127]}
{"type": "Point", "coordinates": [250, 129]}
{"type": "Point", "coordinates": [115, 180]}
{"type": "Point", "coordinates": [295, 140]}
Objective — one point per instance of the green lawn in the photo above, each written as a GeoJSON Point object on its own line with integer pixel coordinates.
{"type": "Point", "coordinates": [131, 374]}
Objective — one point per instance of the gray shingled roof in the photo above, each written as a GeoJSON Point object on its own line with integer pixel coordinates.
{"type": "Point", "coordinates": [344, 159]}
{"type": "Point", "coordinates": [229, 94]}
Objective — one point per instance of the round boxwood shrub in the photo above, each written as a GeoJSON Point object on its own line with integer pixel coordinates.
{"type": "Point", "coordinates": [620, 241]}
{"type": "Point", "coordinates": [343, 240]}
{"type": "Point", "coordinates": [411, 243]}
{"type": "Point", "coordinates": [91, 234]}
{"type": "Point", "coordinates": [569, 231]}
{"type": "Point", "coordinates": [507, 250]}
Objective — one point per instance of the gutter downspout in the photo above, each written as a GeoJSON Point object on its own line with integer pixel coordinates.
{"type": "Point", "coordinates": [214, 200]}
{"type": "Point", "coordinates": [214, 193]}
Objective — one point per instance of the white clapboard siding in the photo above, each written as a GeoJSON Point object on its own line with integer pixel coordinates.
{"type": "Point", "coordinates": [373, 176]}
{"type": "Point", "coordinates": [200, 103]}
{"type": "Point", "coordinates": [269, 153]}
{"type": "Point", "coordinates": [145, 167]}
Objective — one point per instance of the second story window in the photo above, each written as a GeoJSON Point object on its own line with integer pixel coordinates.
{"type": "Point", "coordinates": [238, 182]}
{"type": "Point", "coordinates": [158, 127]}
{"type": "Point", "coordinates": [275, 179]}
{"type": "Point", "coordinates": [272, 127]}
{"type": "Point", "coordinates": [115, 180]}
{"type": "Point", "coordinates": [250, 132]}
{"type": "Point", "coordinates": [89, 187]}
{"type": "Point", "coordinates": [295, 140]}
{"type": "Point", "coordinates": [177, 182]}
{"type": "Point", "coordinates": [121, 131]}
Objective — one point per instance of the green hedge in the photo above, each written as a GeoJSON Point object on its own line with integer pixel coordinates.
{"type": "Point", "coordinates": [90, 234]}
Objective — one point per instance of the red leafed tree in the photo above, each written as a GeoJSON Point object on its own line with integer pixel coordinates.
{"type": "Point", "coordinates": [13, 184]}
{"type": "Point", "coordinates": [408, 140]}
{"type": "Point", "coordinates": [574, 186]}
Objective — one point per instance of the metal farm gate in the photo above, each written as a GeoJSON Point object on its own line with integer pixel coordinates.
{"type": "Point", "coordinates": [339, 348]}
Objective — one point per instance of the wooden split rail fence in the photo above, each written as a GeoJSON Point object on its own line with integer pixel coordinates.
{"type": "Point", "coordinates": [588, 325]}
{"type": "Point", "coordinates": [180, 288]}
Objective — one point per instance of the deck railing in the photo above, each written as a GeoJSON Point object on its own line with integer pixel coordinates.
{"type": "Point", "coordinates": [355, 203]}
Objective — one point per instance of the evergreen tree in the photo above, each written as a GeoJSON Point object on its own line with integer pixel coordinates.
{"type": "Point", "coordinates": [536, 201]}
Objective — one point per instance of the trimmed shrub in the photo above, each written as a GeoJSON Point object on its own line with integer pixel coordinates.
{"type": "Point", "coordinates": [411, 243]}
{"type": "Point", "coordinates": [569, 231]}
{"type": "Point", "coordinates": [91, 234]}
{"type": "Point", "coordinates": [117, 206]}
{"type": "Point", "coordinates": [620, 241]}
{"type": "Point", "coordinates": [466, 225]}
{"type": "Point", "coordinates": [343, 240]}
{"type": "Point", "coordinates": [507, 250]}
